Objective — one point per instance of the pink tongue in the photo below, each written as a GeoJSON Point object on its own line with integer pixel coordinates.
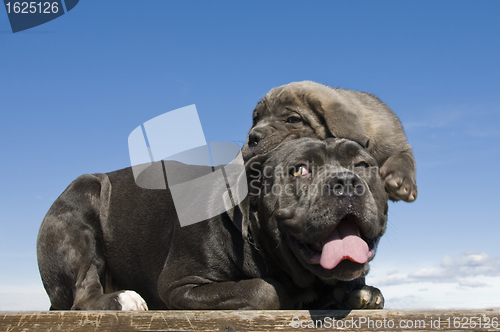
{"type": "Point", "coordinates": [344, 243]}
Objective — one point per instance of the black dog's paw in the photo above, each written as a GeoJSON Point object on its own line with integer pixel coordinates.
{"type": "Point", "coordinates": [121, 300]}
{"type": "Point", "coordinates": [367, 297]}
{"type": "Point", "coordinates": [398, 174]}
{"type": "Point", "coordinates": [130, 300]}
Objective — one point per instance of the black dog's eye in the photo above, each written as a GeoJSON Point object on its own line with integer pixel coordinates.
{"type": "Point", "coordinates": [294, 119]}
{"type": "Point", "coordinates": [362, 164]}
{"type": "Point", "coordinates": [300, 171]}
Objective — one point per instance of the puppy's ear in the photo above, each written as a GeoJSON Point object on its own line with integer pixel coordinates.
{"type": "Point", "coordinates": [254, 169]}
{"type": "Point", "coordinates": [340, 121]}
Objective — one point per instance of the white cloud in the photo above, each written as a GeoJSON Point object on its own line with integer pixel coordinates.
{"type": "Point", "coordinates": [471, 283]}
{"type": "Point", "coordinates": [470, 280]}
{"type": "Point", "coordinates": [441, 296]}
{"type": "Point", "coordinates": [451, 269]}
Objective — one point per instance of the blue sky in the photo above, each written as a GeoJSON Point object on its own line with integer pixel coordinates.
{"type": "Point", "coordinates": [73, 89]}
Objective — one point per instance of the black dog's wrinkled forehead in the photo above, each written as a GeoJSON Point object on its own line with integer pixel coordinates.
{"type": "Point", "coordinates": [337, 151]}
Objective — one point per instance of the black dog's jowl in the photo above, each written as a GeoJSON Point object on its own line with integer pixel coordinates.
{"type": "Point", "coordinates": [28, 14]}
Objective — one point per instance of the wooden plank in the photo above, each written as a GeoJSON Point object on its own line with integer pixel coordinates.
{"type": "Point", "coordinates": [282, 320]}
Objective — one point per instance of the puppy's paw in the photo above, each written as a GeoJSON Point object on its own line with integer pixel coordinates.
{"type": "Point", "coordinates": [400, 187]}
{"type": "Point", "coordinates": [130, 300]}
{"type": "Point", "coordinates": [398, 175]}
{"type": "Point", "coordinates": [367, 297]}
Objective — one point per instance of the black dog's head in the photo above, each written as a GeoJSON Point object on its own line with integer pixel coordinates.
{"type": "Point", "coordinates": [317, 208]}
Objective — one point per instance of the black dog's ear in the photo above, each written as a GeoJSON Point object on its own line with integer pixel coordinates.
{"type": "Point", "coordinates": [340, 121]}
{"type": "Point", "coordinates": [254, 169]}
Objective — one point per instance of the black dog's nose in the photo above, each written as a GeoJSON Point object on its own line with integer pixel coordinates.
{"type": "Point", "coordinates": [254, 138]}
{"type": "Point", "coordinates": [345, 184]}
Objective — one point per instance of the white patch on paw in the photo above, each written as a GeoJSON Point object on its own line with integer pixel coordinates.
{"type": "Point", "coordinates": [130, 300]}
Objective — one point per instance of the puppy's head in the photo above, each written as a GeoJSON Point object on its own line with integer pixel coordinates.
{"type": "Point", "coordinates": [302, 109]}
{"type": "Point", "coordinates": [317, 208]}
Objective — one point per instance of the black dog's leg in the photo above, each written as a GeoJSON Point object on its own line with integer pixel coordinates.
{"type": "Point", "coordinates": [70, 251]}
{"type": "Point", "coordinates": [251, 294]}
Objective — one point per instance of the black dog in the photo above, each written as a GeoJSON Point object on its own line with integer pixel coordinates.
{"type": "Point", "coordinates": [310, 223]}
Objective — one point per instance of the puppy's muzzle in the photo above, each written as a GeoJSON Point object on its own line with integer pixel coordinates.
{"type": "Point", "coordinates": [255, 137]}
